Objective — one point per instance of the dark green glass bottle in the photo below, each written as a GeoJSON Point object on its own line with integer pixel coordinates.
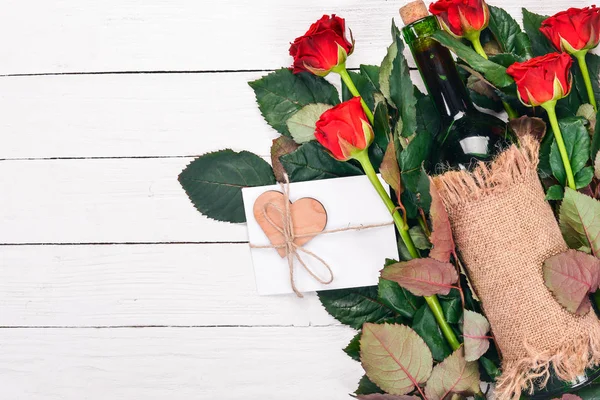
{"type": "Point", "coordinates": [466, 135]}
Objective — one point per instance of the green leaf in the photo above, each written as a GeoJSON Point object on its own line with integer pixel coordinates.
{"type": "Point", "coordinates": [584, 177]}
{"type": "Point", "coordinates": [571, 276]}
{"type": "Point", "coordinates": [508, 33]}
{"type": "Point", "coordinates": [281, 93]}
{"type": "Point", "coordinates": [371, 72]}
{"type": "Point", "coordinates": [365, 87]}
{"type": "Point", "coordinates": [413, 157]}
{"type": "Point", "coordinates": [452, 308]}
{"type": "Point", "coordinates": [302, 124]}
{"type": "Point", "coordinates": [490, 368]}
{"type": "Point", "coordinates": [214, 182]}
{"type": "Point", "coordinates": [419, 238]}
{"type": "Point", "coordinates": [590, 392]}
{"type": "Point", "coordinates": [577, 143]}
{"type": "Point", "coordinates": [365, 386]}
{"type": "Point", "coordinates": [399, 299]}
{"type": "Point", "coordinates": [426, 326]}
{"type": "Point", "coordinates": [396, 84]}
{"type": "Point", "coordinates": [394, 357]}
{"type": "Point", "coordinates": [595, 147]}
{"type": "Point", "coordinates": [539, 43]}
{"type": "Point", "coordinates": [422, 276]}
{"type": "Point", "coordinates": [453, 375]}
{"type": "Point", "coordinates": [494, 73]}
{"type": "Point", "coordinates": [428, 118]}
{"type": "Point", "coordinates": [544, 168]}
{"type": "Point", "coordinates": [311, 162]}
{"type": "Point", "coordinates": [555, 192]}
{"type": "Point", "coordinates": [579, 218]}
{"type": "Point", "coordinates": [353, 348]}
{"type": "Point", "coordinates": [355, 306]}
{"type": "Point", "coordinates": [381, 125]}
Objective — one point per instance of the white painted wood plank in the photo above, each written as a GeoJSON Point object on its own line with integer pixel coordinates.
{"type": "Point", "coordinates": [177, 363]}
{"type": "Point", "coordinates": [125, 285]}
{"type": "Point", "coordinates": [132, 115]}
{"type": "Point", "coordinates": [133, 35]}
{"type": "Point", "coordinates": [102, 201]}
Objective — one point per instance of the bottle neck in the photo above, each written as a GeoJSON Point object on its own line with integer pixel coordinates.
{"type": "Point", "coordinates": [437, 68]}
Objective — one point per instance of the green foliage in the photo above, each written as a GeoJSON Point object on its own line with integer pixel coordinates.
{"type": "Point", "coordinates": [539, 43]}
{"type": "Point", "coordinates": [355, 306]}
{"type": "Point", "coordinates": [452, 306]}
{"type": "Point", "coordinates": [577, 143]}
{"type": "Point", "coordinates": [508, 33]}
{"type": "Point", "coordinates": [412, 159]}
{"type": "Point", "coordinates": [302, 124]}
{"type": "Point", "coordinates": [281, 93]}
{"type": "Point", "coordinates": [312, 162]}
{"type": "Point", "coordinates": [399, 299]}
{"type": "Point", "coordinates": [353, 348]}
{"type": "Point", "coordinates": [595, 147]}
{"type": "Point", "coordinates": [579, 219]}
{"type": "Point", "coordinates": [428, 118]}
{"type": "Point", "coordinates": [555, 192]}
{"type": "Point", "coordinates": [365, 386]}
{"type": "Point", "coordinates": [493, 73]}
{"type": "Point", "coordinates": [453, 375]}
{"type": "Point", "coordinates": [214, 182]}
{"type": "Point", "coordinates": [367, 83]}
{"type": "Point", "coordinates": [425, 324]}
{"type": "Point", "coordinates": [396, 85]}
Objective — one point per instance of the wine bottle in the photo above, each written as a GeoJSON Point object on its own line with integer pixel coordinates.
{"type": "Point", "coordinates": [466, 134]}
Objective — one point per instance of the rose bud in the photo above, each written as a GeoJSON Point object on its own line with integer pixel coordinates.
{"type": "Point", "coordinates": [543, 79]}
{"type": "Point", "coordinates": [323, 47]}
{"type": "Point", "coordinates": [462, 18]}
{"type": "Point", "coordinates": [573, 30]}
{"type": "Point", "coordinates": [344, 130]}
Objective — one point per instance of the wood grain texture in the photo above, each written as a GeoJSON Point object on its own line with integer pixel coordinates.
{"type": "Point", "coordinates": [103, 201]}
{"type": "Point", "coordinates": [121, 285]}
{"type": "Point", "coordinates": [132, 115]}
{"type": "Point", "coordinates": [183, 35]}
{"type": "Point", "coordinates": [166, 363]}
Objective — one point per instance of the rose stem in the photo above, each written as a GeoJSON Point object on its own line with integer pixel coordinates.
{"type": "Point", "coordinates": [474, 38]}
{"type": "Point", "coordinates": [580, 56]}
{"type": "Point", "coordinates": [432, 301]}
{"type": "Point", "coordinates": [550, 107]}
{"type": "Point", "coordinates": [343, 72]}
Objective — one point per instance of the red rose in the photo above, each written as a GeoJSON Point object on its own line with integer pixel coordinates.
{"type": "Point", "coordinates": [344, 130]}
{"type": "Point", "coordinates": [323, 47]}
{"type": "Point", "coordinates": [461, 18]}
{"type": "Point", "coordinates": [573, 30]}
{"type": "Point", "coordinates": [543, 79]}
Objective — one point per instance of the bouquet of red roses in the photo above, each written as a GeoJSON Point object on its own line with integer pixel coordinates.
{"type": "Point", "coordinates": [422, 331]}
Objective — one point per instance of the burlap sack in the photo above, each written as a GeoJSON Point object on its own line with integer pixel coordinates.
{"type": "Point", "coordinates": [504, 230]}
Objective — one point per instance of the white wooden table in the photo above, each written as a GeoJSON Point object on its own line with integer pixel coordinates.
{"type": "Point", "coordinates": [112, 286]}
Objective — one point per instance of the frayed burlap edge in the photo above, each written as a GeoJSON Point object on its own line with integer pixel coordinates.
{"type": "Point", "coordinates": [567, 360]}
{"type": "Point", "coordinates": [510, 167]}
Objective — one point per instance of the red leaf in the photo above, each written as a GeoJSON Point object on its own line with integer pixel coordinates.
{"type": "Point", "coordinates": [389, 169]}
{"type": "Point", "coordinates": [422, 276]}
{"type": "Point", "coordinates": [378, 396]}
{"type": "Point", "coordinates": [453, 375]}
{"type": "Point", "coordinates": [475, 330]}
{"type": "Point", "coordinates": [394, 357]}
{"type": "Point", "coordinates": [569, 397]}
{"type": "Point", "coordinates": [441, 236]}
{"type": "Point", "coordinates": [571, 276]}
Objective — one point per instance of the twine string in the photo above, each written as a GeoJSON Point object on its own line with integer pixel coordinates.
{"type": "Point", "coordinates": [293, 250]}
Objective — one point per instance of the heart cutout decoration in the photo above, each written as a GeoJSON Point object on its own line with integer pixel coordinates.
{"type": "Point", "coordinates": [308, 216]}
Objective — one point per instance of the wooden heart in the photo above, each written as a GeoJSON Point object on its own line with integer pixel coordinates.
{"type": "Point", "coordinates": [308, 216]}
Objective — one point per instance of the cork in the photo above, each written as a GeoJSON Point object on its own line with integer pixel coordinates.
{"type": "Point", "coordinates": [413, 11]}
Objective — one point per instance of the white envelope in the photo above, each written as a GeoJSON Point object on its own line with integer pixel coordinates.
{"type": "Point", "coordinates": [355, 257]}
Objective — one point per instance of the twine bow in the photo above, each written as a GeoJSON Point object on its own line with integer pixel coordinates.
{"type": "Point", "coordinates": [292, 250]}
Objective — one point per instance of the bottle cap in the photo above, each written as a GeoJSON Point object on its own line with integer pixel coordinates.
{"type": "Point", "coordinates": [413, 11]}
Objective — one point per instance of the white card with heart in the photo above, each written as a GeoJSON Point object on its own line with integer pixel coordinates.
{"type": "Point", "coordinates": [354, 256]}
